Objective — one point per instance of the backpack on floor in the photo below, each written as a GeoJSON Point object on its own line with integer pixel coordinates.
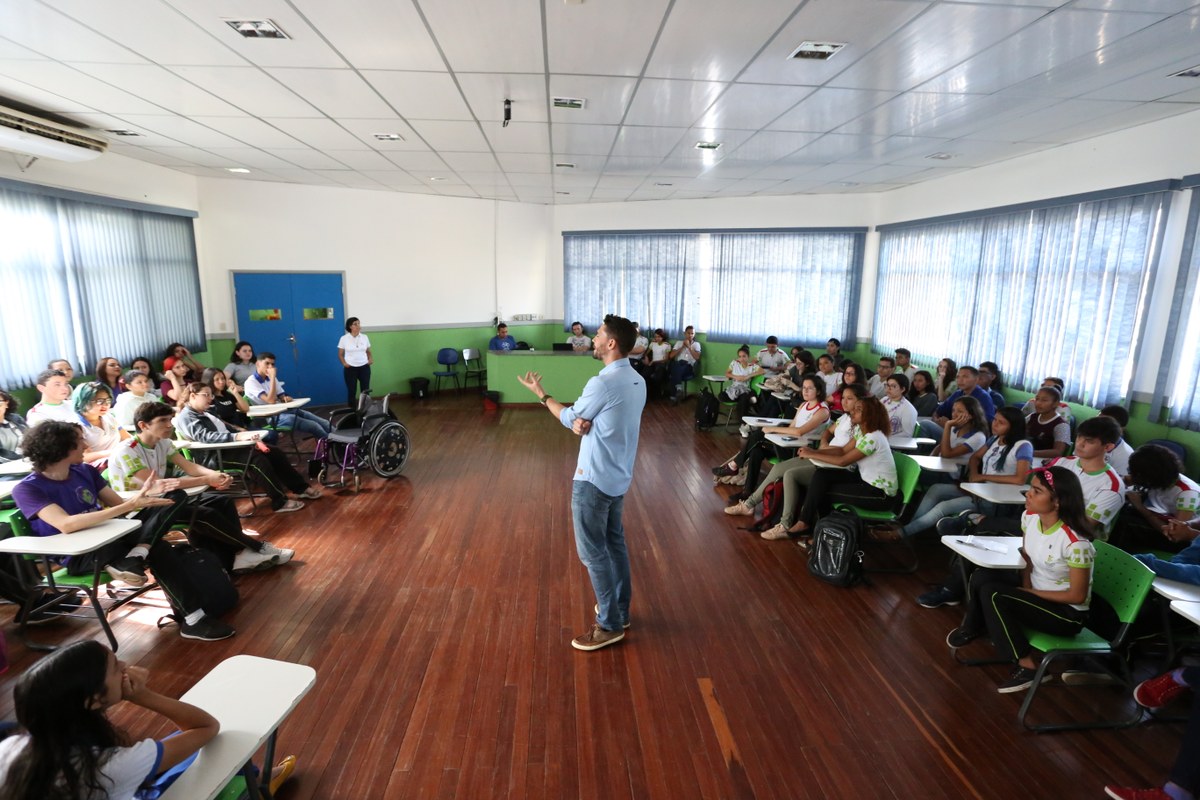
{"type": "Point", "coordinates": [193, 577]}
{"type": "Point", "coordinates": [836, 554]}
{"type": "Point", "coordinates": [707, 409]}
{"type": "Point", "coordinates": [772, 508]}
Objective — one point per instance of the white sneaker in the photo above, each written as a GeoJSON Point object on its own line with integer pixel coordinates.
{"type": "Point", "coordinates": [249, 561]}
{"type": "Point", "coordinates": [739, 510]}
{"type": "Point", "coordinates": [780, 531]}
{"type": "Point", "coordinates": [281, 555]}
{"type": "Point", "coordinates": [744, 430]}
{"type": "Point", "coordinates": [312, 493]}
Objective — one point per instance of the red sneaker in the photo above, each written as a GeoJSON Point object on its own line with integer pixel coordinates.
{"type": "Point", "coordinates": [1158, 692]}
{"type": "Point", "coordinates": [1124, 793]}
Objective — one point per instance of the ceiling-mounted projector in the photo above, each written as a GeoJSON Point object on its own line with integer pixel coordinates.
{"type": "Point", "coordinates": [32, 136]}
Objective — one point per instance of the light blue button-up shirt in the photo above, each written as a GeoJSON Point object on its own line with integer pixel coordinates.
{"type": "Point", "coordinates": [613, 402]}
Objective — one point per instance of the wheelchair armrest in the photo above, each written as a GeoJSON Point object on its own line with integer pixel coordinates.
{"type": "Point", "coordinates": [338, 415]}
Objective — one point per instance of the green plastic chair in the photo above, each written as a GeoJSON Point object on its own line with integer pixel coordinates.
{"type": "Point", "coordinates": [731, 405]}
{"type": "Point", "coordinates": [1125, 583]}
{"type": "Point", "coordinates": [908, 472]}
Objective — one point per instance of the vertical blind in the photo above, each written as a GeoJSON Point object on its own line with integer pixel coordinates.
{"type": "Point", "coordinates": [799, 285]}
{"type": "Point", "coordinates": [1178, 384]}
{"type": "Point", "coordinates": [1058, 291]}
{"type": "Point", "coordinates": [84, 281]}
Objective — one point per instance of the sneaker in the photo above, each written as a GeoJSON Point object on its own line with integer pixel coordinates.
{"type": "Point", "coordinates": [740, 510]}
{"type": "Point", "coordinates": [596, 638]}
{"type": "Point", "coordinates": [53, 605]}
{"type": "Point", "coordinates": [596, 608]}
{"type": "Point", "coordinates": [312, 493]}
{"type": "Point", "coordinates": [1020, 680]}
{"type": "Point", "coordinates": [940, 596]}
{"type": "Point", "coordinates": [206, 629]}
{"type": "Point", "coordinates": [961, 637]}
{"type": "Point", "coordinates": [1126, 793]}
{"type": "Point", "coordinates": [290, 506]}
{"type": "Point", "coordinates": [130, 569]}
{"type": "Point", "coordinates": [744, 430]}
{"type": "Point", "coordinates": [1158, 692]}
{"type": "Point", "coordinates": [249, 561]}
{"type": "Point", "coordinates": [281, 555]}
{"type": "Point", "coordinates": [780, 531]}
{"type": "Point", "coordinates": [724, 470]}
{"type": "Point", "coordinates": [1087, 677]}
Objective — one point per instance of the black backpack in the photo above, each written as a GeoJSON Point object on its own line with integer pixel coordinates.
{"type": "Point", "coordinates": [192, 577]}
{"type": "Point", "coordinates": [707, 409]}
{"type": "Point", "coordinates": [836, 555]}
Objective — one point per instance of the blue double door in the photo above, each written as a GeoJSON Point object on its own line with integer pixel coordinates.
{"type": "Point", "coordinates": [298, 316]}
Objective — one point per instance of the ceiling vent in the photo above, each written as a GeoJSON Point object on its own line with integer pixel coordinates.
{"type": "Point", "coordinates": [388, 137]}
{"type": "Point", "coordinates": [573, 103]}
{"type": "Point", "coordinates": [1190, 72]}
{"type": "Point", "coordinates": [563, 165]}
{"type": "Point", "coordinates": [257, 28]}
{"type": "Point", "coordinates": [33, 136]}
{"type": "Point", "coordinates": [708, 145]}
{"type": "Point", "coordinates": [122, 132]}
{"type": "Point", "coordinates": [820, 51]}
{"type": "Point", "coordinates": [940, 156]}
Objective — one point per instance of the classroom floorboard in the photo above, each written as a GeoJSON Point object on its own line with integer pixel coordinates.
{"type": "Point", "coordinates": [438, 610]}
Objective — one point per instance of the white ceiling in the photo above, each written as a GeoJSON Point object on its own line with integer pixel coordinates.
{"type": "Point", "coordinates": [981, 80]}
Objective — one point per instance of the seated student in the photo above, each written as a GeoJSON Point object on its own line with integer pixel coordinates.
{"type": "Point", "coordinates": [173, 382]}
{"type": "Point", "coordinates": [151, 457]}
{"type": "Point", "coordinates": [851, 376]}
{"type": "Point", "coordinates": [1156, 693]}
{"type": "Point", "coordinates": [63, 495]}
{"type": "Point", "coordinates": [833, 349]}
{"type": "Point", "coordinates": [502, 341]}
{"type": "Point", "coordinates": [241, 364]}
{"type": "Point", "coordinates": [137, 392]}
{"type": "Point", "coordinates": [786, 383]}
{"type": "Point", "coordinates": [1184, 566]}
{"type": "Point", "coordinates": [771, 358]}
{"type": "Point", "coordinates": [1049, 432]}
{"type": "Point", "coordinates": [657, 361]}
{"type": "Point", "coordinates": [992, 382]}
{"type": "Point", "coordinates": [826, 372]}
{"type": "Point", "coordinates": [101, 433]}
{"type": "Point", "coordinates": [640, 343]}
{"type": "Point", "coordinates": [228, 404]}
{"type": "Point", "coordinates": [872, 485]}
{"type": "Point", "coordinates": [142, 364]}
{"type": "Point", "coordinates": [266, 465]}
{"type": "Point", "coordinates": [947, 374]}
{"type": "Point", "coordinates": [1051, 594]}
{"type": "Point", "coordinates": [12, 427]}
{"type": "Point", "coordinates": [1103, 489]}
{"type": "Point", "coordinates": [63, 366]}
{"type": "Point", "coordinates": [685, 354]}
{"type": "Point", "coordinates": [55, 390]}
{"type": "Point", "coordinates": [265, 387]}
{"type": "Point", "coordinates": [737, 387]}
{"type": "Point", "coordinates": [965, 433]}
{"type": "Point", "coordinates": [1119, 455]}
{"type": "Point", "coordinates": [177, 352]}
{"type": "Point", "coordinates": [69, 747]}
{"type": "Point", "coordinates": [904, 364]}
{"type": "Point", "coordinates": [108, 372]}
{"type": "Point", "coordinates": [1158, 493]}
{"type": "Point", "coordinates": [922, 394]}
{"type": "Point", "coordinates": [580, 342]}
{"type": "Point", "coordinates": [877, 386]}
{"type": "Point", "coordinates": [902, 416]}
{"type": "Point", "coordinates": [1004, 458]}
{"type": "Point", "coordinates": [967, 380]}
{"type": "Point", "coordinates": [812, 418]}
{"type": "Point", "coordinates": [1063, 409]}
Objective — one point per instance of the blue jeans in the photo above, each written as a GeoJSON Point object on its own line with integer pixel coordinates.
{"type": "Point", "coordinates": [930, 429]}
{"type": "Point", "coordinates": [305, 422]}
{"type": "Point", "coordinates": [941, 500]}
{"type": "Point", "coordinates": [600, 543]}
{"type": "Point", "coordinates": [681, 371]}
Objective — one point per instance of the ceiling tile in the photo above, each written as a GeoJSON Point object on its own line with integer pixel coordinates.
{"type": "Point", "coordinates": [766, 146]}
{"type": "Point", "coordinates": [443, 135]}
{"type": "Point", "coordinates": [250, 156]}
{"type": "Point", "coordinates": [1040, 127]}
{"type": "Point", "coordinates": [752, 105]}
{"type": "Point", "coordinates": [1154, 85]}
{"type": "Point", "coordinates": [374, 35]}
{"type": "Point", "coordinates": [1165, 6]}
{"type": "Point", "coordinates": [361, 160]}
{"type": "Point", "coordinates": [251, 131]}
{"type": "Point", "coordinates": [56, 35]}
{"type": "Point", "coordinates": [629, 28]}
{"type": "Point", "coordinates": [393, 177]}
{"type": "Point", "coordinates": [182, 130]}
{"type": "Point", "coordinates": [320, 134]}
{"type": "Point", "coordinates": [827, 109]}
{"type": "Point", "coordinates": [249, 88]}
{"type": "Point", "coordinates": [64, 81]}
{"type": "Point", "coordinates": [979, 112]}
{"type": "Point", "coordinates": [713, 40]}
{"type": "Point", "coordinates": [487, 36]}
{"type": "Point", "coordinates": [519, 162]}
{"type": "Point", "coordinates": [896, 148]}
{"type": "Point", "coordinates": [21, 92]}
{"type": "Point", "coordinates": [905, 112]}
{"type": "Point", "coordinates": [630, 165]}
{"type": "Point", "coordinates": [518, 137]}
{"type": "Point", "coordinates": [670, 102]}
{"type": "Point", "coordinates": [471, 162]}
{"type": "Point", "coordinates": [585, 163]}
{"type": "Point", "coordinates": [607, 98]}
{"type": "Point", "coordinates": [420, 95]}
{"type": "Point", "coordinates": [337, 92]}
{"type": "Point", "coordinates": [486, 94]}
{"type": "Point", "coordinates": [430, 163]}
{"type": "Point", "coordinates": [313, 159]}
{"type": "Point", "coordinates": [584, 139]}
{"type": "Point", "coordinates": [831, 147]}
{"type": "Point", "coordinates": [161, 87]}
{"type": "Point", "coordinates": [365, 130]}
{"type": "Point", "coordinates": [305, 48]}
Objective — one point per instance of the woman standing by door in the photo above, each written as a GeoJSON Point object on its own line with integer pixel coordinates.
{"type": "Point", "coordinates": [354, 351]}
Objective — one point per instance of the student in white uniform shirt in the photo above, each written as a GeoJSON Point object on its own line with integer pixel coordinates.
{"type": "Point", "coordinates": [877, 386]}
{"type": "Point", "coordinates": [1119, 455]}
{"type": "Point", "coordinates": [1103, 489]}
{"type": "Point", "coordinates": [904, 363]}
{"type": "Point", "coordinates": [55, 389]}
{"type": "Point", "coordinates": [354, 351]}
{"type": "Point", "coordinates": [772, 360]}
{"type": "Point", "coordinates": [902, 416]}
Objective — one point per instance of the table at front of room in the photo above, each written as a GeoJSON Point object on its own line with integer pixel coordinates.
{"type": "Point", "coordinates": [563, 374]}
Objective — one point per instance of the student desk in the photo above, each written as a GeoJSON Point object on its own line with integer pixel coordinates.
{"type": "Point", "coordinates": [20, 467]}
{"type": "Point", "coordinates": [563, 374]}
{"type": "Point", "coordinates": [271, 409]}
{"type": "Point", "coordinates": [939, 464]}
{"type": "Point", "coordinates": [990, 552]}
{"type": "Point", "coordinates": [1002, 494]}
{"type": "Point", "coordinates": [250, 697]}
{"type": "Point", "coordinates": [71, 544]}
{"type": "Point", "coordinates": [766, 422]}
{"type": "Point", "coordinates": [908, 442]}
{"type": "Point", "coordinates": [788, 440]}
{"type": "Point", "coordinates": [6, 488]}
{"type": "Point", "coordinates": [1187, 609]}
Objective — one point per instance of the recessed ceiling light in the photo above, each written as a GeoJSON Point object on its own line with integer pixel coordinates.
{"type": "Point", "coordinates": [122, 132]}
{"type": "Point", "coordinates": [664, 184]}
{"type": "Point", "coordinates": [437, 178]}
{"type": "Point", "coordinates": [1190, 72]}
{"type": "Point", "coordinates": [707, 145]}
{"type": "Point", "coordinates": [388, 137]}
{"type": "Point", "coordinates": [941, 156]}
{"type": "Point", "coordinates": [257, 28]}
{"type": "Point", "coordinates": [848, 183]}
{"type": "Point", "coordinates": [238, 170]}
{"type": "Point", "coordinates": [562, 192]}
{"type": "Point", "coordinates": [820, 51]}
{"type": "Point", "coordinates": [573, 103]}
{"type": "Point", "coordinates": [563, 165]}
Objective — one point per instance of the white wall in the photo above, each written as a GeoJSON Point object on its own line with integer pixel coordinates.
{"type": "Point", "coordinates": [409, 259]}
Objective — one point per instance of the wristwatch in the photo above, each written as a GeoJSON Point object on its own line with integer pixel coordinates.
{"type": "Point", "coordinates": [544, 398]}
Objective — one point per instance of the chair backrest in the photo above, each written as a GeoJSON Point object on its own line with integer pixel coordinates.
{"type": "Point", "coordinates": [756, 382]}
{"type": "Point", "coordinates": [1121, 580]}
{"type": "Point", "coordinates": [1175, 447]}
{"type": "Point", "coordinates": [471, 354]}
{"type": "Point", "coordinates": [447, 356]}
{"type": "Point", "coordinates": [908, 474]}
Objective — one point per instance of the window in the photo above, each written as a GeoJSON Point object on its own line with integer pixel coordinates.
{"type": "Point", "coordinates": [1058, 289]}
{"type": "Point", "coordinates": [744, 285]}
{"type": "Point", "coordinates": [87, 280]}
{"type": "Point", "coordinates": [1178, 384]}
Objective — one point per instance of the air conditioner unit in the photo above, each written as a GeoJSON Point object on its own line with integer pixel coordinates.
{"type": "Point", "coordinates": [30, 135]}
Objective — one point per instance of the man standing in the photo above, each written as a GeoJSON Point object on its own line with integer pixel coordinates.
{"type": "Point", "coordinates": [684, 357]}
{"type": "Point", "coordinates": [608, 416]}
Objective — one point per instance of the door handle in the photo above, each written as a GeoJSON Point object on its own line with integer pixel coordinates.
{"type": "Point", "coordinates": [292, 339]}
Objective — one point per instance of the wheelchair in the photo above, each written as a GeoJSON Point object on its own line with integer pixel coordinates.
{"type": "Point", "coordinates": [369, 437]}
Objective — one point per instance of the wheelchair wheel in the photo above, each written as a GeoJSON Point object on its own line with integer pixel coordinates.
{"type": "Point", "coordinates": [388, 449]}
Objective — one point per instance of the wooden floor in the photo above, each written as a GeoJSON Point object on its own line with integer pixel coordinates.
{"type": "Point", "coordinates": [438, 609]}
